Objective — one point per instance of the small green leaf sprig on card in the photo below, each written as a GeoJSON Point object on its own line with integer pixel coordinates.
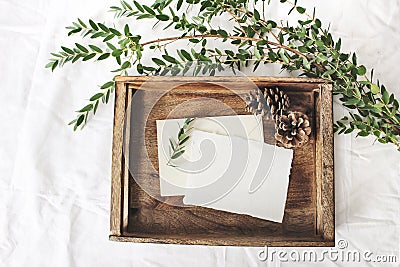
{"type": "Point", "coordinates": [177, 147]}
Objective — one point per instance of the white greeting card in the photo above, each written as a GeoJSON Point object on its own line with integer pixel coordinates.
{"type": "Point", "coordinates": [239, 175]}
{"type": "Point", "coordinates": [173, 179]}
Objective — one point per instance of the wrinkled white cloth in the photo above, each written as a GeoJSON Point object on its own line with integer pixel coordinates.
{"type": "Point", "coordinates": [55, 184]}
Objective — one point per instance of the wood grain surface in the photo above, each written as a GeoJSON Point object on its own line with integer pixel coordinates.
{"type": "Point", "coordinates": [145, 216]}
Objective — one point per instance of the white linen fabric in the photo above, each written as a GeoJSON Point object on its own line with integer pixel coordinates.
{"type": "Point", "coordinates": [55, 184]}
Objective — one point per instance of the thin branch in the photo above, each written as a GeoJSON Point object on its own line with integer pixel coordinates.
{"type": "Point", "coordinates": [223, 37]}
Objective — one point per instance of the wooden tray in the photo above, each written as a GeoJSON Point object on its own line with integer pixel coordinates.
{"type": "Point", "coordinates": [138, 217]}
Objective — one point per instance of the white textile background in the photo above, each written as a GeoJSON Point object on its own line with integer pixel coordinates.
{"type": "Point", "coordinates": [55, 184]}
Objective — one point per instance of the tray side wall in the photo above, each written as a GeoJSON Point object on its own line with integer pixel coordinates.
{"type": "Point", "coordinates": [118, 218]}
{"type": "Point", "coordinates": [325, 164]}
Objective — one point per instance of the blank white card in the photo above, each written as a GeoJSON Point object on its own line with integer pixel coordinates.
{"type": "Point", "coordinates": [243, 176]}
{"type": "Point", "coordinates": [173, 180]}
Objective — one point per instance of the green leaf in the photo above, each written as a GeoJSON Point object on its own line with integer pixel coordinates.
{"type": "Point", "coordinates": [49, 65]}
{"type": "Point", "coordinates": [284, 58]}
{"type": "Point", "coordinates": [96, 35]}
{"type": "Point", "coordinates": [179, 4]}
{"type": "Point", "coordinates": [358, 92]}
{"type": "Point", "coordinates": [103, 27]}
{"type": "Point", "coordinates": [107, 85]}
{"type": "Point", "coordinates": [192, 40]}
{"type": "Point", "coordinates": [111, 46]}
{"type": "Point", "coordinates": [171, 143]}
{"type": "Point", "coordinates": [126, 5]}
{"type": "Point", "coordinates": [108, 95]}
{"type": "Point", "coordinates": [90, 56]}
{"type": "Point", "coordinates": [162, 17]}
{"type": "Point", "coordinates": [114, 31]}
{"type": "Point", "coordinates": [256, 14]}
{"type": "Point", "coordinates": [350, 130]}
{"type": "Point", "coordinates": [144, 16]}
{"type": "Point", "coordinates": [169, 59]}
{"type": "Point", "coordinates": [93, 25]}
{"type": "Point", "coordinates": [54, 65]}
{"type": "Point", "coordinates": [80, 120]}
{"type": "Point", "coordinates": [338, 44]}
{"type": "Point", "coordinates": [181, 142]}
{"type": "Point", "coordinates": [204, 58]}
{"type": "Point", "coordinates": [126, 65]}
{"type": "Point", "coordinates": [186, 55]}
{"type": "Point", "coordinates": [117, 52]}
{"type": "Point", "coordinates": [139, 68]}
{"type": "Point", "coordinates": [138, 6]}
{"type": "Point", "coordinates": [281, 40]}
{"type": "Point", "coordinates": [96, 105]}
{"type": "Point", "coordinates": [306, 63]}
{"type": "Point", "coordinates": [303, 49]}
{"type": "Point", "coordinates": [363, 133]}
{"type": "Point", "coordinates": [126, 30]}
{"type": "Point", "coordinates": [66, 49]}
{"type": "Point", "coordinates": [188, 121]}
{"type": "Point", "coordinates": [104, 56]}
{"type": "Point", "coordinates": [383, 141]}
{"type": "Point", "coordinates": [149, 10]}
{"type": "Point", "coordinates": [109, 37]}
{"type": "Point", "coordinates": [375, 89]}
{"type": "Point", "coordinates": [385, 97]}
{"type": "Point", "coordinates": [96, 96]}
{"type": "Point", "coordinates": [300, 9]}
{"type": "Point", "coordinates": [74, 31]}
{"type": "Point", "coordinates": [322, 58]}
{"type": "Point", "coordinates": [95, 49]}
{"type": "Point", "coordinates": [361, 70]}
{"type": "Point", "coordinates": [177, 154]}
{"type": "Point", "coordinates": [272, 56]}
{"type": "Point", "coordinates": [86, 108]}
{"type": "Point", "coordinates": [354, 59]}
{"type": "Point", "coordinates": [318, 23]}
{"type": "Point", "coordinates": [158, 61]}
{"type": "Point", "coordinates": [82, 48]}
{"type": "Point", "coordinates": [257, 53]}
{"type": "Point", "coordinates": [81, 22]}
{"type": "Point", "coordinates": [352, 101]}
{"type": "Point", "coordinates": [223, 33]}
{"type": "Point", "coordinates": [181, 134]}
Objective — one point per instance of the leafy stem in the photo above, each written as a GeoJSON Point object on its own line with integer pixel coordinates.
{"type": "Point", "coordinates": [177, 147]}
{"type": "Point", "coordinates": [305, 46]}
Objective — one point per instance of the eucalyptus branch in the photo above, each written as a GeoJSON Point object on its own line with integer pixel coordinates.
{"type": "Point", "coordinates": [305, 46]}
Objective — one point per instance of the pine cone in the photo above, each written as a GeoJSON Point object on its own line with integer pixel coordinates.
{"type": "Point", "coordinates": [256, 103]}
{"type": "Point", "coordinates": [277, 101]}
{"type": "Point", "coordinates": [292, 129]}
{"type": "Point", "coordinates": [268, 101]}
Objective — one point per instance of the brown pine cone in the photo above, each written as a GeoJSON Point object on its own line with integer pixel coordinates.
{"type": "Point", "coordinates": [293, 129]}
{"type": "Point", "coordinates": [277, 101]}
{"type": "Point", "coordinates": [256, 103]}
{"type": "Point", "coordinates": [268, 101]}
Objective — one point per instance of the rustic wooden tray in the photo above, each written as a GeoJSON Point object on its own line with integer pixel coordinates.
{"type": "Point", "coordinates": [138, 217]}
